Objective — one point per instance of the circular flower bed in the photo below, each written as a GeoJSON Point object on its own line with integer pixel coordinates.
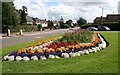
{"type": "Point", "coordinates": [71, 44]}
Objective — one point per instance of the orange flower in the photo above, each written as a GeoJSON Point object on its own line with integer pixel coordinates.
{"type": "Point", "coordinates": [39, 51]}
{"type": "Point", "coordinates": [32, 51]}
{"type": "Point", "coordinates": [52, 50]}
{"type": "Point", "coordinates": [19, 52]}
{"type": "Point", "coordinates": [77, 46]}
{"type": "Point", "coordinates": [83, 46]}
{"type": "Point", "coordinates": [47, 50]}
{"type": "Point", "coordinates": [66, 49]}
{"type": "Point", "coordinates": [59, 49]}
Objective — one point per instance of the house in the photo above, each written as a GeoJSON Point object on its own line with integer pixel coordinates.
{"type": "Point", "coordinates": [29, 20]}
{"type": "Point", "coordinates": [44, 23]}
{"type": "Point", "coordinates": [55, 23]}
{"type": "Point", "coordinates": [108, 18]}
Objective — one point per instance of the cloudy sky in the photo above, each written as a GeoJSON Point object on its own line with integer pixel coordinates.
{"type": "Point", "coordinates": [69, 9]}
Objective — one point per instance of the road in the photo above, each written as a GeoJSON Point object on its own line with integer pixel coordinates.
{"type": "Point", "coordinates": [29, 37]}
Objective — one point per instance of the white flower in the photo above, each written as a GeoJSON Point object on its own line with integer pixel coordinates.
{"type": "Point", "coordinates": [86, 52]}
{"type": "Point", "coordinates": [40, 46]}
{"type": "Point", "coordinates": [5, 57]}
{"type": "Point", "coordinates": [90, 50]}
{"type": "Point", "coordinates": [25, 58]}
{"type": "Point", "coordinates": [42, 57]}
{"type": "Point", "coordinates": [45, 48]}
{"type": "Point", "coordinates": [103, 42]}
{"type": "Point", "coordinates": [94, 49]}
{"type": "Point", "coordinates": [11, 58]}
{"type": "Point", "coordinates": [81, 52]}
{"type": "Point", "coordinates": [51, 56]}
{"type": "Point", "coordinates": [77, 54]}
{"type": "Point", "coordinates": [34, 58]}
{"type": "Point", "coordinates": [36, 48]}
{"type": "Point", "coordinates": [65, 55]}
{"type": "Point", "coordinates": [72, 54]}
{"type": "Point", "coordinates": [18, 58]}
{"type": "Point", "coordinates": [62, 48]}
{"type": "Point", "coordinates": [57, 57]}
{"type": "Point", "coordinates": [97, 48]}
{"type": "Point", "coordinates": [100, 46]}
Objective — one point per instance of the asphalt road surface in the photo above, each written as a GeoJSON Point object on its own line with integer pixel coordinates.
{"type": "Point", "coordinates": [29, 37]}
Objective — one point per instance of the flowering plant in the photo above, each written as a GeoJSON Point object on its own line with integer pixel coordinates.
{"type": "Point", "coordinates": [76, 43]}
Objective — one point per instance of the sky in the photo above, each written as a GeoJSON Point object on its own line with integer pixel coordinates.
{"type": "Point", "coordinates": [68, 9]}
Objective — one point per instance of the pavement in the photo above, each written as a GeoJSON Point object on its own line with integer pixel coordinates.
{"type": "Point", "coordinates": [29, 37]}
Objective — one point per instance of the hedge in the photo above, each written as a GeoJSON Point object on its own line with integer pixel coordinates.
{"type": "Point", "coordinates": [114, 26]}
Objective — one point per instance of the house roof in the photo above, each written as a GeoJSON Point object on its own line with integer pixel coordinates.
{"type": "Point", "coordinates": [55, 22]}
{"type": "Point", "coordinates": [29, 19]}
{"type": "Point", "coordinates": [40, 20]}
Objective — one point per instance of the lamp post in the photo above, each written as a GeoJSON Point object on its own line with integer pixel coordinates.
{"type": "Point", "coordinates": [102, 15]}
{"type": "Point", "coordinates": [49, 13]}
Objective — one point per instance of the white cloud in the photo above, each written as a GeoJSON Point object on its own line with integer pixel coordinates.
{"type": "Point", "coordinates": [69, 9]}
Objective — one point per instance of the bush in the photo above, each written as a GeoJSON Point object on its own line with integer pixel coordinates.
{"type": "Point", "coordinates": [113, 26]}
{"type": "Point", "coordinates": [76, 36]}
{"type": "Point", "coordinates": [26, 28]}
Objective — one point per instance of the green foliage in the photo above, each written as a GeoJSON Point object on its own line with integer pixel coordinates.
{"type": "Point", "coordinates": [69, 23]}
{"type": "Point", "coordinates": [23, 15]}
{"type": "Point", "coordinates": [39, 25]}
{"type": "Point", "coordinates": [50, 24]}
{"type": "Point", "coordinates": [7, 13]}
{"type": "Point", "coordinates": [26, 28]}
{"type": "Point", "coordinates": [77, 36]}
{"type": "Point", "coordinates": [62, 24]}
{"type": "Point", "coordinates": [113, 25]}
{"type": "Point", "coordinates": [81, 21]}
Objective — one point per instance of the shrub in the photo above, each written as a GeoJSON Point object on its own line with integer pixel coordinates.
{"type": "Point", "coordinates": [76, 36]}
{"type": "Point", "coordinates": [112, 25]}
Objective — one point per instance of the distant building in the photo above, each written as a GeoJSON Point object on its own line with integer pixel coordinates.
{"type": "Point", "coordinates": [108, 18]}
{"type": "Point", "coordinates": [29, 20]}
{"type": "Point", "coordinates": [44, 23]}
{"type": "Point", "coordinates": [55, 23]}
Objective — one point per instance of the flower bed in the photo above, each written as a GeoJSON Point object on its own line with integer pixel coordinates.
{"type": "Point", "coordinates": [71, 44]}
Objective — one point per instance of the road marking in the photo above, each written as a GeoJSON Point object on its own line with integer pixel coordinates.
{"type": "Point", "coordinates": [37, 37]}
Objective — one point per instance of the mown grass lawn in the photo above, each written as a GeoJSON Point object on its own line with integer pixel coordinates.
{"type": "Point", "coordinates": [105, 61]}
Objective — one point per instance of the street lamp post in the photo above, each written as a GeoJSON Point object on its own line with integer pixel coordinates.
{"type": "Point", "coordinates": [49, 13]}
{"type": "Point", "coordinates": [102, 15]}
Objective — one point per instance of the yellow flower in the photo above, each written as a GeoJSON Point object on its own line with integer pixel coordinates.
{"type": "Point", "coordinates": [66, 49]}
{"type": "Point", "coordinates": [59, 49]}
{"type": "Point", "coordinates": [77, 46]}
{"type": "Point", "coordinates": [40, 51]}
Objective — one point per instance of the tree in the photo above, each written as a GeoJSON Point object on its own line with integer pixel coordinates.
{"type": "Point", "coordinates": [62, 24]}
{"type": "Point", "coordinates": [16, 18]}
{"type": "Point", "coordinates": [23, 15]}
{"type": "Point", "coordinates": [50, 24]}
{"type": "Point", "coordinates": [69, 23]}
{"type": "Point", "coordinates": [8, 15]}
{"type": "Point", "coordinates": [81, 21]}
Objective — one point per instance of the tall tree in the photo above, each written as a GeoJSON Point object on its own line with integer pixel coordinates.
{"type": "Point", "coordinates": [62, 24]}
{"type": "Point", "coordinates": [81, 21]}
{"type": "Point", "coordinates": [8, 15]}
{"type": "Point", "coordinates": [23, 15]}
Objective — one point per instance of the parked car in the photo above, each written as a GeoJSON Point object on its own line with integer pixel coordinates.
{"type": "Point", "coordinates": [92, 28]}
{"type": "Point", "coordinates": [103, 28]}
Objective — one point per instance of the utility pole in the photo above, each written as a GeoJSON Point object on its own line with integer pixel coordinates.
{"type": "Point", "coordinates": [102, 14]}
